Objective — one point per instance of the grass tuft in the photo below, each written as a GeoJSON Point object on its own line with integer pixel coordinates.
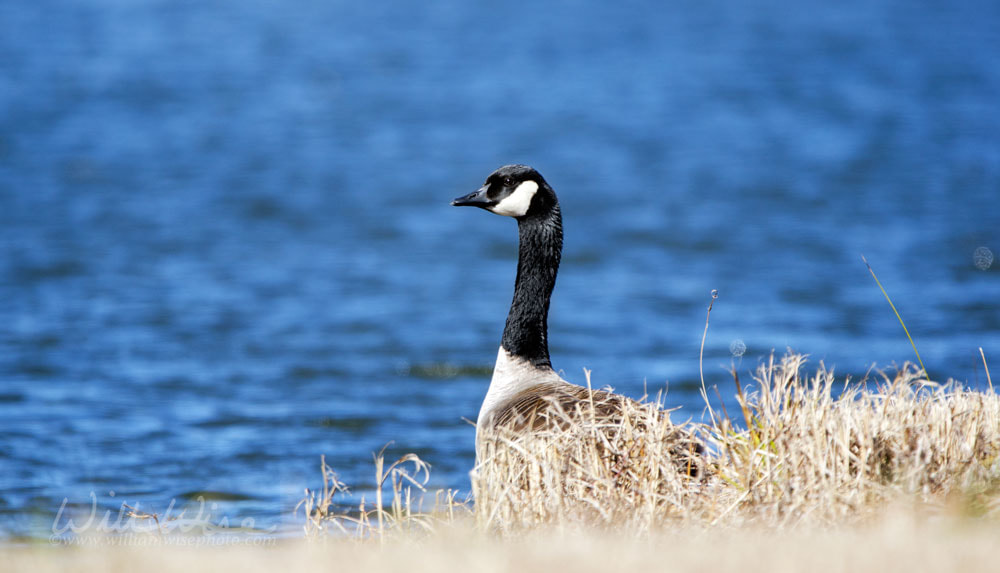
{"type": "Point", "coordinates": [402, 514]}
{"type": "Point", "coordinates": [808, 451]}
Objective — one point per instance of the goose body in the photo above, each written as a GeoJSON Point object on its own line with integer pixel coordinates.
{"type": "Point", "coordinates": [524, 382]}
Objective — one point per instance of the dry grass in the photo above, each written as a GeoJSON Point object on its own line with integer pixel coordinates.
{"type": "Point", "coordinates": [405, 513]}
{"type": "Point", "coordinates": [808, 451]}
{"type": "Point", "coordinates": [586, 467]}
{"type": "Point", "coordinates": [897, 474]}
{"type": "Point", "coordinates": [808, 454]}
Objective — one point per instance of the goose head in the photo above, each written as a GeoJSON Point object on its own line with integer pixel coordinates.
{"type": "Point", "coordinates": [513, 191]}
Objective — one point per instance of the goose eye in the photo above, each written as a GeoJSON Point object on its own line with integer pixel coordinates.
{"type": "Point", "coordinates": [507, 182]}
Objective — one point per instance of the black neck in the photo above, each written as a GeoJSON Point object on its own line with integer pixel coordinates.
{"type": "Point", "coordinates": [539, 251]}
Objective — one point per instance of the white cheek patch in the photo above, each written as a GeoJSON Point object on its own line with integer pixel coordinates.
{"type": "Point", "coordinates": [517, 203]}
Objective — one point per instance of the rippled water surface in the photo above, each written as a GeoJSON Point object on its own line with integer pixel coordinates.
{"type": "Point", "coordinates": [227, 247]}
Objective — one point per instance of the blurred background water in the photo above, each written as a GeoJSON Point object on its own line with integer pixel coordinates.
{"type": "Point", "coordinates": [227, 247]}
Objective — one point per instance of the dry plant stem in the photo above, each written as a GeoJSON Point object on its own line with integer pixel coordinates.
{"type": "Point", "coordinates": [989, 380]}
{"type": "Point", "coordinates": [701, 357]}
{"type": "Point", "coordinates": [741, 398]}
{"type": "Point", "coordinates": [898, 317]}
{"type": "Point", "coordinates": [379, 463]}
{"type": "Point", "coordinates": [133, 512]}
{"type": "Point", "coordinates": [590, 395]}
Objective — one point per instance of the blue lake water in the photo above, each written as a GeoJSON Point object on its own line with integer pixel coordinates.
{"type": "Point", "coordinates": [226, 246]}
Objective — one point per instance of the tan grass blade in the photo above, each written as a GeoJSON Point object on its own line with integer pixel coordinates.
{"type": "Point", "coordinates": [898, 317]}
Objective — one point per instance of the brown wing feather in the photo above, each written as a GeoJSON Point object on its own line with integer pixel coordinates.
{"type": "Point", "coordinates": [553, 404]}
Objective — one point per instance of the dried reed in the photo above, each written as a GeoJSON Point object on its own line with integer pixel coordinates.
{"type": "Point", "coordinates": [807, 451]}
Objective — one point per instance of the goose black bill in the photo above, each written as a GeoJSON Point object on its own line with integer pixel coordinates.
{"type": "Point", "coordinates": [477, 198]}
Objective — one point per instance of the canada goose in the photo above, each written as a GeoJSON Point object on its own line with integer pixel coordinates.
{"type": "Point", "coordinates": [524, 384]}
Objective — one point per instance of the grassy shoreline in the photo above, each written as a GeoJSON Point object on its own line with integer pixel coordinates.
{"type": "Point", "coordinates": [807, 450]}
{"type": "Point", "coordinates": [892, 473]}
